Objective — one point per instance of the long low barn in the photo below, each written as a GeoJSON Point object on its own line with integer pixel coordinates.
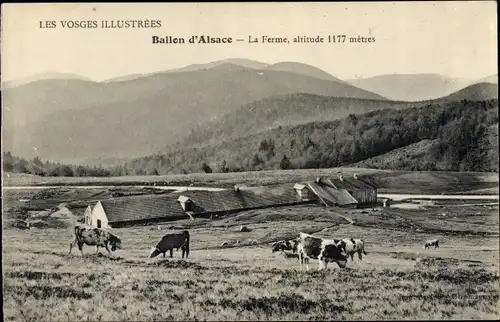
{"type": "Point", "coordinates": [117, 212]}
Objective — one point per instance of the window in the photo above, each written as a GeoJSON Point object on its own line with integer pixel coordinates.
{"type": "Point", "coordinates": [98, 223]}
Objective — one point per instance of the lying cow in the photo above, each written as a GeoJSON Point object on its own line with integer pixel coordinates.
{"type": "Point", "coordinates": [92, 236]}
{"type": "Point", "coordinates": [430, 243]}
{"type": "Point", "coordinates": [353, 246]}
{"type": "Point", "coordinates": [171, 241]}
{"type": "Point", "coordinates": [282, 245]}
{"type": "Point", "coordinates": [324, 250]}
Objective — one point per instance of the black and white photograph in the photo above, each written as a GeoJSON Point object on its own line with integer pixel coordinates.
{"type": "Point", "coordinates": [280, 161]}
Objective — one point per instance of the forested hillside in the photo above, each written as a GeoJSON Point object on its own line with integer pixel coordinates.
{"type": "Point", "coordinates": [458, 128]}
{"type": "Point", "coordinates": [284, 110]}
{"type": "Point", "coordinates": [453, 136]}
{"type": "Point", "coordinates": [36, 166]}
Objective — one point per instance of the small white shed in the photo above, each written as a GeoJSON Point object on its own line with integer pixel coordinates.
{"type": "Point", "coordinates": [186, 203]}
{"type": "Point", "coordinates": [97, 216]}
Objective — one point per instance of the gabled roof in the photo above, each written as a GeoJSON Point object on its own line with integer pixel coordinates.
{"type": "Point", "coordinates": [270, 196]}
{"type": "Point", "coordinates": [332, 195]}
{"type": "Point", "coordinates": [349, 183]}
{"type": "Point", "coordinates": [369, 181]}
{"type": "Point", "coordinates": [213, 201]}
{"type": "Point", "coordinates": [246, 197]}
{"type": "Point", "coordinates": [357, 183]}
{"type": "Point", "coordinates": [142, 207]}
{"type": "Point", "coordinates": [183, 198]}
{"type": "Point", "coordinates": [299, 186]}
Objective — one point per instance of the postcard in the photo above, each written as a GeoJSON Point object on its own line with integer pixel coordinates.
{"type": "Point", "coordinates": [250, 161]}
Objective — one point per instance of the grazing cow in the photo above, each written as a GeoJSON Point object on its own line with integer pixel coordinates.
{"type": "Point", "coordinates": [430, 243]}
{"type": "Point", "coordinates": [171, 241]}
{"type": "Point", "coordinates": [353, 246]}
{"type": "Point", "coordinates": [92, 236]}
{"type": "Point", "coordinates": [282, 245]}
{"type": "Point", "coordinates": [324, 250]}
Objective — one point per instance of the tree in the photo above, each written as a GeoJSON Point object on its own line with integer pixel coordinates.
{"type": "Point", "coordinates": [285, 163]}
{"type": "Point", "coordinates": [223, 167]}
{"type": "Point", "coordinates": [81, 171]}
{"type": "Point", "coordinates": [65, 171]}
{"type": "Point", "coordinates": [206, 168]}
{"type": "Point", "coordinates": [256, 160]}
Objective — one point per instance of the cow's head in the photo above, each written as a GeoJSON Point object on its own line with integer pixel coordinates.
{"type": "Point", "coordinates": [154, 252]}
{"type": "Point", "coordinates": [276, 247]}
{"type": "Point", "coordinates": [342, 246]}
{"type": "Point", "coordinates": [282, 245]}
{"type": "Point", "coordinates": [115, 242]}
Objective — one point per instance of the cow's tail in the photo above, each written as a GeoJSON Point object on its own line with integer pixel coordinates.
{"type": "Point", "coordinates": [77, 228]}
{"type": "Point", "coordinates": [363, 247]}
{"type": "Point", "coordinates": [186, 241]}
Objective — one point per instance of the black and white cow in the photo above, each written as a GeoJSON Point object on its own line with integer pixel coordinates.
{"type": "Point", "coordinates": [324, 250]}
{"type": "Point", "coordinates": [171, 241]}
{"type": "Point", "coordinates": [430, 243]}
{"type": "Point", "coordinates": [92, 236]}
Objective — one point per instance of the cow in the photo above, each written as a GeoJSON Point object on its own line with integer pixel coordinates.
{"type": "Point", "coordinates": [430, 243]}
{"type": "Point", "coordinates": [324, 250]}
{"type": "Point", "coordinates": [171, 241]}
{"type": "Point", "coordinates": [353, 246]}
{"type": "Point", "coordinates": [92, 236]}
{"type": "Point", "coordinates": [282, 245]}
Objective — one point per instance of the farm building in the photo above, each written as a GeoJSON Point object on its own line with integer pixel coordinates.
{"type": "Point", "coordinates": [206, 203]}
{"type": "Point", "coordinates": [349, 192]}
{"type": "Point", "coordinates": [117, 212]}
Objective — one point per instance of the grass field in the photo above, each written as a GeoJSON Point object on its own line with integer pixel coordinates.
{"type": "Point", "coordinates": [398, 279]}
{"type": "Point", "coordinates": [390, 181]}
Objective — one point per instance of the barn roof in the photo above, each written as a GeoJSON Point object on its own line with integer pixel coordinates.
{"type": "Point", "coordinates": [213, 201]}
{"type": "Point", "coordinates": [142, 208]}
{"type": "Point", "coordinates": [270, 196]}
{"type": "Point", "coordinates": [332, 195]}
{"type": "Point", "coordinates": [349, 183]}
{"type": "Point", "coordinates": [299, 186]}
{"type": "Point", "coordinates": [245, 198]}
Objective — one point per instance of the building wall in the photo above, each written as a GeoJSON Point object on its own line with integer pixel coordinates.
{"type": "Point", "coordinates": [365, 196]}
{"type": "Point", "coordinates": [88, 215]}
{"type": "Point", "coordinates": [98, 213]}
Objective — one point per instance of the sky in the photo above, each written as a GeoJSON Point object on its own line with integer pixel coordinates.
{"type": "Point", "coordinates": [457, 39]}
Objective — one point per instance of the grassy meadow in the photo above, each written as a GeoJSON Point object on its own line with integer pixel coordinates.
{"type": "Point", "coordinates": [398, 279]}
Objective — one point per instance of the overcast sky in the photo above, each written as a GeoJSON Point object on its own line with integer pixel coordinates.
{"type": "Point", "coordinates": [457, 39]}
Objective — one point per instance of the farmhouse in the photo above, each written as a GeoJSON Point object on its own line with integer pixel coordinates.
{"type": "Point", "coordinates": [117, 212]}
{"type": "Point", "coordinates": [349, 192]}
